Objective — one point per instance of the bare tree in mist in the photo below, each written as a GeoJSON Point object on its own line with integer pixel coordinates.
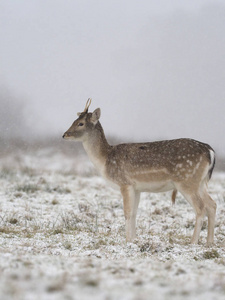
{"type": "Point", "coordinates": [12, 116]}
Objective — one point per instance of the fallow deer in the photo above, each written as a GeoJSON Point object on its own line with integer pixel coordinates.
{"type": "Point", "coordinates": [183, 165]}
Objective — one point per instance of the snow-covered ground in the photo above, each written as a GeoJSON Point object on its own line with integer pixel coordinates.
{"type": "Point", "coordinates": [62, 237]}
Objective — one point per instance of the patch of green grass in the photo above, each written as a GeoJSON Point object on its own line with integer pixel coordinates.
{"type": "Point", "coordinates": [13, 221]}
{"type": "Point", "coordinates": [18, 194]}
{"type": "Point", "coordinates": [29, 234]}
{"type": "Point", "coordinates": [58, 231]}
{"type": "Point", "coordinates": [31, 188]}
{"type": "Point", "coordinates": [92, 282]}
{"type": "Point", "coordinates": [67, 245]}
{"type": "Point", "coordinates": [149, 247]}
{"type": "Point", "coordinates": [176, 238]}
{"type": "Point", "coordinates": [55, 202]}
{"type": "Point", "coordinates": [100, 242]}
{"type": "Point", "coordinates": [57, 189]}
{"type": "Point", "coordinates": [28, 188]}
{"type": "Point", "coordinates": [211, 254]}
{"type": "Point", "coordinates": [8, 230]}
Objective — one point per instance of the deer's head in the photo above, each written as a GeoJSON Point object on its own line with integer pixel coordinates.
{"type": "Point", "coordinates": [84, 125]}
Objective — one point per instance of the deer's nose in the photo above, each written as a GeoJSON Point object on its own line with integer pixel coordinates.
{"type": "Point", "coordinates": [66, 135]}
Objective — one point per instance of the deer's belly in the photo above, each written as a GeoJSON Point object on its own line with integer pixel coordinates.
{"type": "Point", "coordinates": [154, 186]}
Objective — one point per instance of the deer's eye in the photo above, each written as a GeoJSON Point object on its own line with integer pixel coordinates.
{"type": "Point", "coordinates": [80, 124]}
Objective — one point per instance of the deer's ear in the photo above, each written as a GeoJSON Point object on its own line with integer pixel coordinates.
{"type": "Point", "coordinates": [96, 116]}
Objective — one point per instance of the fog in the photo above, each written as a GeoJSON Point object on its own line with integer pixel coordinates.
{"type": "Point", "coordinates": [155, 68]}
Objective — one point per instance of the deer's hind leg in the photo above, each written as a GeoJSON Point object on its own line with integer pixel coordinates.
{"type": "Point", "coordinates": [203, 205]}
{"type": "Point", "coordinates": [211, 214]}
{"type": "Point", "coordinates": [196, 201]}
{"type": "Point", "coordinates": [130, 204]}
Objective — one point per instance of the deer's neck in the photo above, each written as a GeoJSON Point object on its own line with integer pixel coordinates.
{"type": "Point", "coordinates": [97, 148]}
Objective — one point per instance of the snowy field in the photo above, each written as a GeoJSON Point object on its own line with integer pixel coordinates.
{"type": "Point", "coordinates": [62, 237]}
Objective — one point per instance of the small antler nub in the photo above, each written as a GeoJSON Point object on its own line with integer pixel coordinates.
{"type": "Point", "coordinates": [88, 103]}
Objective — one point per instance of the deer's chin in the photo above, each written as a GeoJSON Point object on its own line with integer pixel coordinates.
{"type": "Point", "coordinates": [73, 138]}
{"type": "Point", "coordinates": [69, 137]}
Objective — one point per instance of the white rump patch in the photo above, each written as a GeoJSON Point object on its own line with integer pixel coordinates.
{"type": "Point", "coordinates": [212, 158]}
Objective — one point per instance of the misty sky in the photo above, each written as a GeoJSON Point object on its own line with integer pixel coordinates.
{"type": "Point", "coordinates": [156, 68]}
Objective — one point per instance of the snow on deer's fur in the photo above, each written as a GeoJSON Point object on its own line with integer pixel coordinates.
{"type": "Point", "coordinates": [183, 165]}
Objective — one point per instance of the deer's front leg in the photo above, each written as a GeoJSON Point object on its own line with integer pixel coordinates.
{"type": "Point", "coordinates": [130, 205]}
